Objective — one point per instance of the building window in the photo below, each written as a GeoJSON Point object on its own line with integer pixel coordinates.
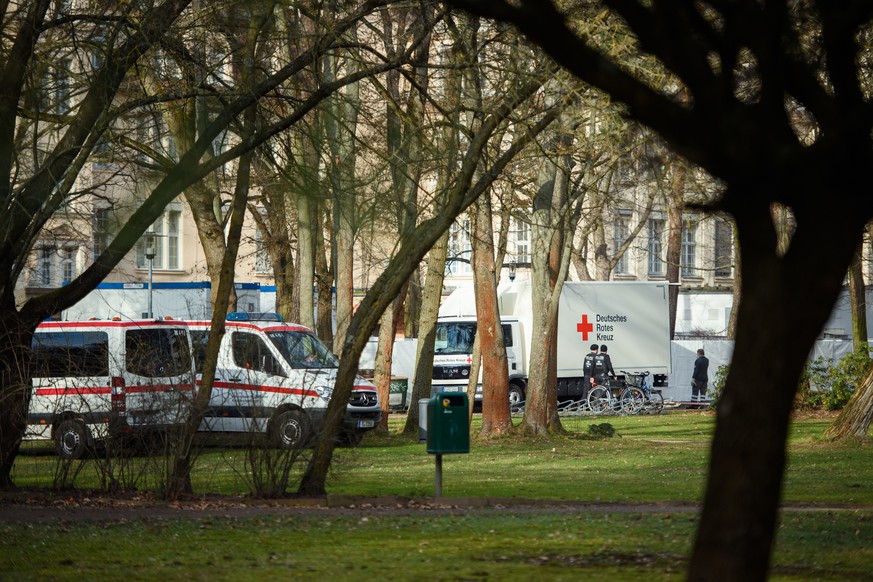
{"type": "Point", "coordinates": [521, 235]}
{"type": "Point", "coordinates": [620, 234]}
{"type": "Point", "coordinates": [173, 217]}
{"type": "Point", "coordinates": [53, 265]}
{"type": "Point", "coordinates": [68, 265]}
{"type": "Point", "coordinates": [458, 262]}
{"type": "Point", "coordinates": [723, 248]}
{"type": "Point", "coordinates": [689, 248]}
{"type": "Point", "coordinates": [61, 87]}
{"type": "Point", "coordinates": [263, 262]}
{"type": "Point", "coordinates": [101, 230]}
{"type": "Point", "coordinates": [656, 246]}
{"type": "Point", "coordinates": [43, 272]}
{"type": "Point", "coordinates": [166, 242]}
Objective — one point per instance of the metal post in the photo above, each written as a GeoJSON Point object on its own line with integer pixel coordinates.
{"type": "Point", "coordinates": [150, 255]}
{"type": "Point", "coordinates": [439, 476]}
{"type": "Point", "coordinates": [150, 288]}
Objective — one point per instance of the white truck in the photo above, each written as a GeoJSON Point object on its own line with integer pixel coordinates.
{"type": "Point", "coordinates": [630, 317]}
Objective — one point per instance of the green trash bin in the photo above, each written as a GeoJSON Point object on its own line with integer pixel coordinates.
{"type": "Point", "coordinates": [397, 392]}
{"type": "Point", "coordinates": [448, 423]}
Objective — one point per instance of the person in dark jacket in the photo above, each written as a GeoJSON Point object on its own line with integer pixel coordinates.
{"type": "Point", "coordinates": [603, 366]}
{"type": "Point", "coordinates": [588, 368]}
{"type": "Point", "coordinates": [700, 377]}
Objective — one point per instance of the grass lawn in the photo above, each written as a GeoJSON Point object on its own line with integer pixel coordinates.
{"type": "Point", "coordinates": [652, 458]}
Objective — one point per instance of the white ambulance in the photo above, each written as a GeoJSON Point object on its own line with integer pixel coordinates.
{"type": "Point", "coordinates": [99, 380]}
{"type": "Point", "coordinates": [275, 378]}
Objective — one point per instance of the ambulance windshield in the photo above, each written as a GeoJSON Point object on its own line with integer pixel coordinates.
{"type": "Point", "coordinates": [303, 350]}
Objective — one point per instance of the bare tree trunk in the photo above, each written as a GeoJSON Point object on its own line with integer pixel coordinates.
{"type": "Point", "coordinates": [738, 286]}
{"type": "Point", "coordinates": [15, 385]}
{"type": "Point", "coordinates": [324, 284]}
{"type": "Point", "coordinates": [211, 232]}
{"type": "Point", "coordinates": [858, 299]}
{"type": "Point", "coordinates": [675, 199]}
{"type": "Point", "coordinates": [854, 419]}
{"type": "Point", "coordinates": [385, 357]}
{"type": "Point", "coordinates": [495, 371]}
{"type": "Point", "coordinates": [748, 457]}
{"type": "Point", "coordinates": [305, 260]}
{"type": "Point", "coordinates": [430, 306]}
{"type": "Point", "coordinates": [341, 125]}
{"type": "Point", "coordinates": [179, 478]}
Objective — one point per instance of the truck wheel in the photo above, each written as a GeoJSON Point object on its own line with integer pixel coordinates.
{"type": "Point", "coordinates": [71, 439]}
{"type": "Point", "coordinates": [516, 395]}
{"type": "Point", "coordinates": [290, 430]}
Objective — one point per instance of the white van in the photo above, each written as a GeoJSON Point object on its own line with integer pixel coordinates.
{"type": "Point", "coordinates": [275, 379]}
{"type": "Point", "coordinates": [95, 380]}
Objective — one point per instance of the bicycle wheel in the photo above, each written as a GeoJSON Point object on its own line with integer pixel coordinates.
{"type": "Point", "coordinates": [599, 400]}
{"type": "Point", "coordinates": [632, 400]}
{"type": "Point", "coordinates": [656, 402]}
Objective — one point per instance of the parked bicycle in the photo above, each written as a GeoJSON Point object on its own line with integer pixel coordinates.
{"type": "Point", "coordinates": [631, 396]}
{"type": "Point", "coordinates": [606, 396]}
{"type": "Point", "coordinates": [638, 396]}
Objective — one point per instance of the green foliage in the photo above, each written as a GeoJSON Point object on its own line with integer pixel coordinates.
{"type": "Point", "coordinates": [601, 431]}
{"type": "Point", "coordinates": [824, 384]}
{"type": "Point", "coordinates": [715, 391]}
{"type": "Point", "coordinates": [827, 385]}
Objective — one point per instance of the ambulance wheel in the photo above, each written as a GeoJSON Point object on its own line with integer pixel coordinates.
{"type": "Point", "coordinates": [290, 429]}
{"type": "Point", "coordinates": [516, 395]}
{"type": "Point", "coordinates": [71, 439]}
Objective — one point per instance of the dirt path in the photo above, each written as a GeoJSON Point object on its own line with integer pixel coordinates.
{"type": "Point", "coordinates": [42, 507]}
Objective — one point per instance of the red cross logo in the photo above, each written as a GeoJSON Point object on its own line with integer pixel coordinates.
{"type": "Point", "coordinates": [584, 328]}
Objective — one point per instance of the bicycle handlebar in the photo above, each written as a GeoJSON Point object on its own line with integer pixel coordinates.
{"type": "Point", "coordinates": [646, 373]}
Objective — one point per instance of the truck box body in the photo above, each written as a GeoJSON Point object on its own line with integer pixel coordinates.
{"type": "Point", "coordinates": [631, 318]}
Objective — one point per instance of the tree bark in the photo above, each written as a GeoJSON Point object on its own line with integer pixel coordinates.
{"type": "Point", "coordinates": [675, 199]}
{"type": "Point", "coordinates": [385, 356]}
{"type": "Point", "coordinates": [854, 419]}
{"type": "Point", "coordinates": [734, 540]}
{"type": "Point", "coordinates": [495, 371]}
{"type": "Point", "coordinates": [858, 300]}
{"type": "Point", "coordinates": [430, 306]}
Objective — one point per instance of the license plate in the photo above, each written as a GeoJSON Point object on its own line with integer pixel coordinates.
{"type": "Point", "coordinates": [366, 423]}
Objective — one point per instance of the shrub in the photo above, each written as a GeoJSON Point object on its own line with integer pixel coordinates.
{"type": "Point", "coordinates": [823, 384]}
{"type": "Point", "coordinates": [828, 385]}
{"type": "Point", "coordinates": [714, 393]}
{"type": "Point", "coordinates": [601, 431]}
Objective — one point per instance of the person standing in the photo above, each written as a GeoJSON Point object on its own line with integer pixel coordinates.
{"type": "Point", "coordinates": [588, 368]}
{"type": "Point", "coordinates": [700, 377]}
{"type": "Point", "coordinates": [603, 365]}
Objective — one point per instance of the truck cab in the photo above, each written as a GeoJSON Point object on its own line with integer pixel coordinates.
{"type": "Point", "coordinates": [453, 351]}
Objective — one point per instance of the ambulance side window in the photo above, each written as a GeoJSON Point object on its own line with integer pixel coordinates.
{"type": "Point", "coordinates": [157, 352]}
{"type": "Point", "coordinates": [250, 352]}
{"type": "Point", "coordinates": [507, 335]}
{"type": "Point", "coordinates": [70, 354]}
